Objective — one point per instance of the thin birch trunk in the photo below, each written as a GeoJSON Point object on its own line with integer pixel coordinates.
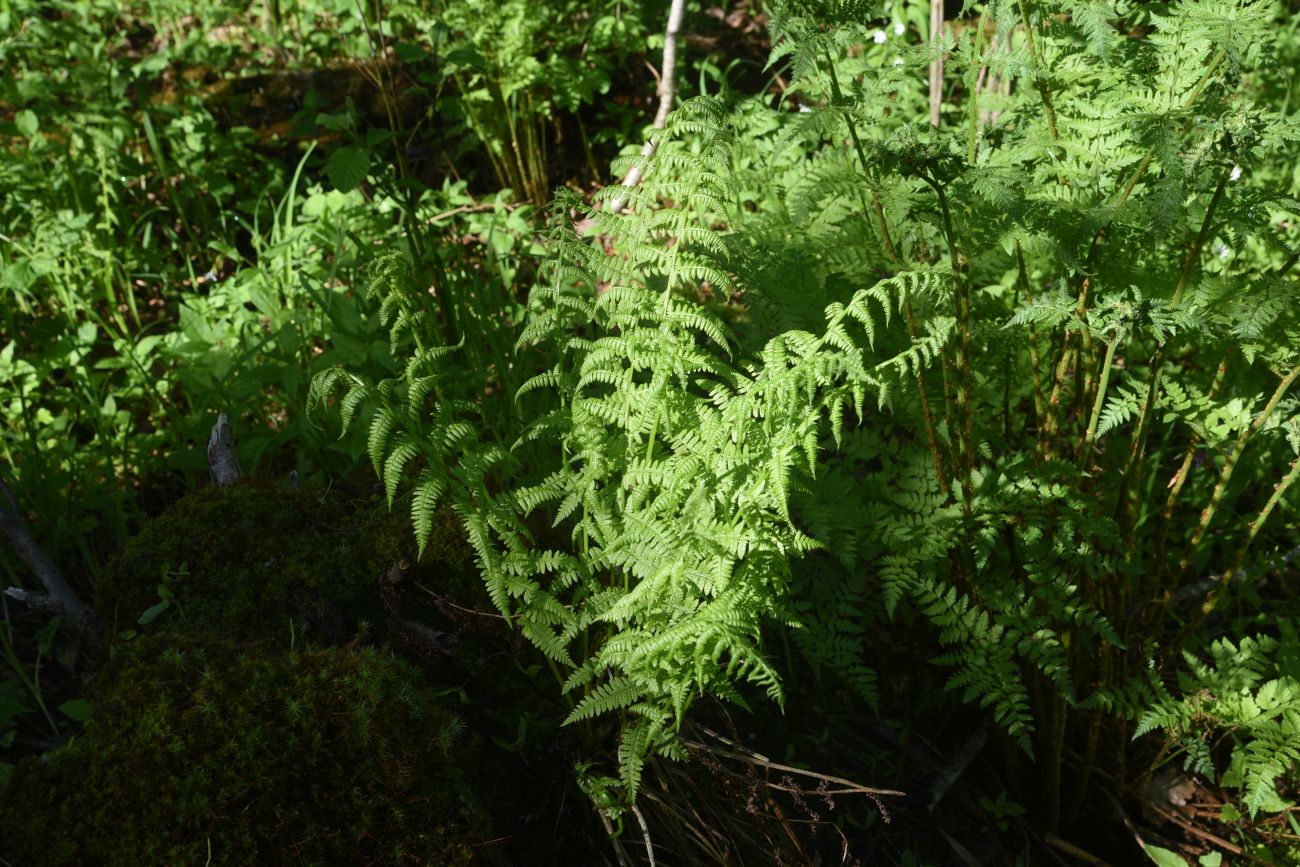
{"type": "Point", "coordinates": [936, 65]}
{"type": "Point", "coordinates": [667, 94]}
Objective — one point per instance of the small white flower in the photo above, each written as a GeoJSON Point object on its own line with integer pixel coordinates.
{"type": "Point", "coordinates": [1223, 250]}
{"type": "Point", "coordinates": [899, 29]}
{"type": "Point", "coordinates": [898, 61]}
{"type": "Point", "coordinates": [1236, 173]}
{"type": "Point", "coordinates": [879, 37]}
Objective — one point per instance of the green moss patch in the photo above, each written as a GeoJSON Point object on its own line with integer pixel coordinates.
{"type": "Point", "coordinates": [241, 562]}
{"type": "Point", "coordinates": [202, 745]}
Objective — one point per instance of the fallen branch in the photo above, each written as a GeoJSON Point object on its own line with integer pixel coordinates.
{"type": "Point", "coordinates": [1169, 815]}
{"type": "Point", "coordinates": [762, 761]}
{"type": "Point", "coordinates": [58, 597]}
{"type": "Point", "coordinates": [667, 94]}
{"type": "Point", "coordinates": [1074, 851]}
{"type": "Point", "coordinates": [1213, 839]}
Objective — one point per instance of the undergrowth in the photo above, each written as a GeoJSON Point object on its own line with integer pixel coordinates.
{"type": "Point", "coordinates": [995, 363]}
{"type": "Point", "coordinates": [1040, 411]}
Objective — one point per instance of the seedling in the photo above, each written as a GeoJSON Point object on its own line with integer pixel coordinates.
{"type": "Point", "coordinates": [166, 597]}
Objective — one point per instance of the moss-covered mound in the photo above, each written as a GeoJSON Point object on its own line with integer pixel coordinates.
{"type": "Point", "coordinates": [243, 561]}
{"type": "Point", "coordinates": [198, 745]}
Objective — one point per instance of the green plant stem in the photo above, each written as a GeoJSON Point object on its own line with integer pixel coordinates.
{"type": "Point", "coordinates": [1052, 422]}
{"type": "Point", "coordinates": [931, 436]}
{"type": "Point", "coordinates": [875, 206]}
{"type": "Point", "coordinates": [1034, 360]}
{"type": "Point", "coordinates": [1194, 252]}
{"type": "Point", "coordinates": [1184, 470]}
{"type": "Point", "coordinates": [1225, 476]}
{"type": "Point", "coordinates": [1039, 84]}
{"type": "Point", "coordinates": [1052, 761]}
{"type": "Point", "coordinates": [33, 686]}
{"type": "Point", "coordinates": [1138, 446]}
{"type": "Point", "coordinates": [155, 148]}
{"type": "Point", "coordinates": [1085, 448]}
{"type": "Point", "coordinates": [1279, 490]}
{"type": "Point", "coordinates": [887, 241]}
{"type": "Point", "coordinates": [965, 386]}
{"type": "Point", "coordinates": [1221, 586]}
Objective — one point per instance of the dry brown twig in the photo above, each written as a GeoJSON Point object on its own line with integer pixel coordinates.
{"type": "Point", "coordinates": [753, 758]}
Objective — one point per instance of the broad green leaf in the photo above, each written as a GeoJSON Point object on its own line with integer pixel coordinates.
{"type": "Point", "coordinates": [76, 709]}
{"type": "Point", "coordinates": [1163, 857]}
{"type": "Point", "coordinates": [348, 167]}
{"type": "Point", "coordinates": [27, 122]}
{"type": "Point", "coordinates": [153, 612]}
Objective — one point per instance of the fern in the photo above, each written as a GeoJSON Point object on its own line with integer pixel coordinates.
{"type": "Point", "coordinates": [835, 368]}
{"type": "Point", "coordinates": [1240, 694]}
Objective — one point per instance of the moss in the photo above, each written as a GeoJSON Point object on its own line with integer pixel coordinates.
{"type": "Point", "coordinates": [327, 755]}
{"type": "Point", "coordinates": [256, 555]}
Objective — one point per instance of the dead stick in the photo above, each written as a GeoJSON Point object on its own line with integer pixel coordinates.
{"type": "Point", "coordinates": [58, 597]}
{"type": "Point", "coordinates": [776, 766]}
{"type": "Point", "coordinates": [1074, 851]}
{"type": "Point", "coordinates": [223, 461]}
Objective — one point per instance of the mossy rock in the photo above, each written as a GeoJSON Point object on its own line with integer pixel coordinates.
{"type": "Point", "coordinates": [244, 561]}
{"type": "Point", "coordinates": [200, 745]}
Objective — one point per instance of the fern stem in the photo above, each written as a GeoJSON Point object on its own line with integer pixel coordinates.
{"type": "Point", "coordinates": [1054, 727]}
{"type": "Point", "coordinates": [645, 835]}
{"type": "Point", "coordinates": [1085, 380]}
{"type": "Point", "coordinates": [650, 445]}
{"type": "Point", "coordinates": [1180, 477]}
{"type": "Point", "coordinates": [1279, 490]}
{"type": "Point", "coordinates": [1194, 252]}
{"type": "Point", "coordinates": [1221, 586]}
{"type": "Point", "coordinates": [1210, 70]}
{"type": "Point", "coordinates": [961, 297]}
{"type": "Point", "coordinates": [875, 206]}
{"type": "Point", "coordinates": [949, 406]}
{"type": "Point", "coordinates": [1092, 741]}
{"type": "Point", "coordinates": [1052, 421]}
{"type": "Point", "coordinates": [1287, 265]}
{"type": "Point", "coordinates": [1041, 86]}
{"type": "Point", "coordinates": [931, 436]}
{"type": "Point", "coordinates": [1138, 448]}
{"type": "Point", "coordinates": [1034, 360]}
{"type": "Point", "coordinates": [1103, 381]}
{"type": "Point", "coordinates": [1132, 467]}
{"type": "Point", "coordinates": [1225, 476]}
